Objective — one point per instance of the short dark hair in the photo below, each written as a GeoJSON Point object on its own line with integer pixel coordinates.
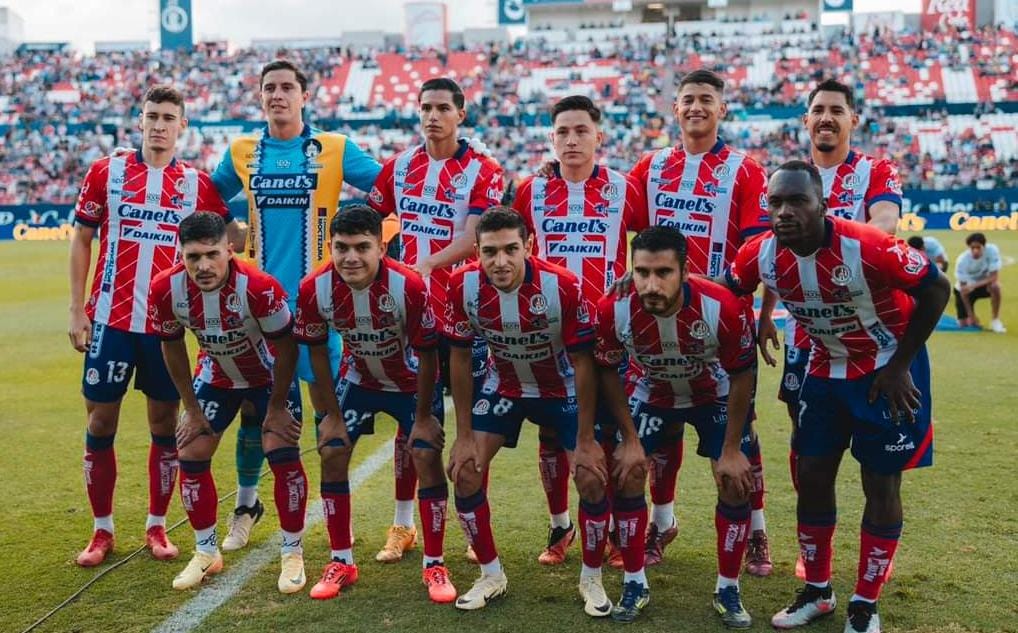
{"type": "Point", "coordinates": [703, 76]}
{"type": "Point", "coordinates": [201, 226]}
{"type": "Point", "coordinates": [497, 218]}
{"type": "Point", "coordinates": [444, 83]}
{"type": "Point", "coordinates": [917, 243]}
{"type": "Point", "coordinates": [975, 238]}
{"type": "Point", "coordinates": [284, 64]}
{"type": "Point", "coordinates": [809, 168]}
{"type": "Point", "coordinates": [356, 219]}
{"type": "Point", "coordinates": [661, 238]}
{"type": "Point", "coordinates": [576, 102]}
{"type": "Point", "coordinates": [164, 94]}
{"type": "Point", "coordinates": [833, 85]}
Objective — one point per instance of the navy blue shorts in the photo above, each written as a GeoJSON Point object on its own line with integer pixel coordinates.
{"type": "Point", "coordinates": [656, 425]}
{"type": "Point", "coordinates": [793, 374]}
{"type": "Point", "coordinates": [493, 413]}
{"type": "Point", "coordinates": [116, 355]}
{"type": "Point", "coordinates": [359, 406]}
{"type": "Point", "coordinates": [221, 405]}
{"type": "Point", "coordinates": [834, 414]}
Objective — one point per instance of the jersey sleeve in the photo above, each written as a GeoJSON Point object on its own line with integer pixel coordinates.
{"type": "Point", "coordinates": [422, 326]}
{"type": "Point", "coordinates": [382, 197]}
{"type": "Point", "coordinates": [608, 350]}
{"type": "Point", "coordinates": [639, 174]}
{"type": "Point", "coordinates": [735, 335]}
{"type": "Point", "coordinates": [488, 188]}
{"type": "Point", "coordinates": [577, 322]}
{"type": "Point", "coordinates": [635, 214]}
{"type": "Point", "coordinates": [225, 177]}
{"type": "Point", "coordinates": [885, 184]}
{"type": "Point", "coordinates": [91, 208]}
{"type": "Point", "coordinates": [522, 205]}
{"type": "Point", "coordinates": [268, 306]}
{"type": "Point", "coordinates": [456, 327]}
{"type": "Point", "coordinates": [752, 199]}
{"type": "Point", "coordinates": [359, 168]}
{"type": "Point", "coordinates": [209, 198]}
{"type": "Point", "coordinates": [161, 320]}
{"type": "Point", "coordinates": [309, 326]}
{"type": "Point", "coordinates": [896, 264]}
{"type": "Point", "coordinates": [743, 275]}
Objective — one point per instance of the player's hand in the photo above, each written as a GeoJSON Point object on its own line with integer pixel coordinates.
{"type": "Point", "coordinates": [479, 146]}
{"type": "Point", "coordinates": [427, 429]}
{"type": "Point", "coordinates": [767, 331]}
{"type": "Point", "coordinates": [464, 451]}
{"type": "Point", "coordinates": [190, 425]}
{"type": "Point", "coordinates": [589, 455]}
{"type": "Point", "coordinates": [621, 286]}
{"type": "Point", "coordinates": [629, 458]}
{"type": "Point", "coordinates": [734, 472]}
{"type": "Point", "coordinates": [80, 330]}
{"type": "Point", "coordinates": [896, 385]}
{"type": "Point", "coordinates": [425, 266]}
{"type": "Point", "coordinates": [333, 427]}
{"type": "Point", "coordinates": [547, 169]}
{"type": "Point", "coordinates": [280, 421]}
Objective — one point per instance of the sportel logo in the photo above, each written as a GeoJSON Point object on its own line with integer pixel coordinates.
{"type": "Point", "coordinates": [901, 445]}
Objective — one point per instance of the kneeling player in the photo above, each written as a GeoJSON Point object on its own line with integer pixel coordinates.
{"type": "Point", "coordinates": [234, 311]}
{"type": "Point", "coordinates": [692, 351]}
{"type": "Point", "coordinates": [382, 310]}
{"type": "Point", "coordinates": [868, 303]}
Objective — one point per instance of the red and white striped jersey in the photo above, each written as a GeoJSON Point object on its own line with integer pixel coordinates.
{"type": "Point", "coordinates": [530, 331]}
{"type": "Point", "coordinates": [582, 226]}
{"type": "Point", "coordinates": [137, 209]}
{"type": "Point", "coordinates": [233, 324]}
{"type": "Point", "coordinates": [433, 199]}
{"type": "Point", "coordinates": [851, 189]}
{"type": "Point", "coordinates": [683, 360]}
{"type": "Point", "coordinates": [850, 296]}
{"type": "Point", "coordinates": [718, 200]}
{"type": "Point", "coordinates": [381, 325]}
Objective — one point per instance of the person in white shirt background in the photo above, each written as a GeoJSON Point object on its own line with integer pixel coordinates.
{"type": "Point", "coordinates": [977, 270]}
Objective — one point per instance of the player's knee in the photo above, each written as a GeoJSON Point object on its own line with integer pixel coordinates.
{"type": "Point", "coordinates": [335, 462]}
{"type": "Point", "coordinates": [198, 450]}
{"type": "Point", "coordinates": [995, 288]}
{"type": "Point", "coordinates": [103, 419]}
{"type": "Point", "coordinates": [588, 485]}
{"type": "Point", "coordinates": [468, 481]}
{"type": "Point", "coordinates": [425, 456]}
{"type": "Point", "coordinates": [272, 441]}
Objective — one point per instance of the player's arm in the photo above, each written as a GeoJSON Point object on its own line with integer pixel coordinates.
{"type": "Point", "coordinates": [422, 332]}
{"type": "Point", "coordinates": [733, 468]}
{"type": "Point", "coordinates": [588, 453]}
{"type": "Point", "coordinates": [458, 331]}
{"type": "Point", "coordinates": [359, 168]}
{"type": "Point", "coordinates": [80, 328]}
{"type": "Point", "coordinates": [311, 329]}
{"type": "Point", "coordinates": [278, 418]}
{"type": "Point", "coordinates": [193, 422]}
{"type": "Point", "coordinates": [884, 215]}
{"type": "Point", "coordinates": [608, 354]}
{"type": "Point", "coordinates": [461, 247]}
{"type": "Point", "coordinates": [766, 329]}
{"type": "Point", "coordinates": [883, 199]}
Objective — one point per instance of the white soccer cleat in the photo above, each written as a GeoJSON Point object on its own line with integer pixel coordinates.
{"type": "Point", "coordinates": [811, 602]}
{"type": "Point", "coordinates": [239, 532]}
{"type": "Point", "coordinates": [595, 601]}
{"type": "Point", "coordinates": [291, 575]}
{"type": "Point", "coordinates": [202, 565]}
{"type": "Point", "coordinates": [485, 589]}
{"type": "Point", "coordinates": [998, 327]}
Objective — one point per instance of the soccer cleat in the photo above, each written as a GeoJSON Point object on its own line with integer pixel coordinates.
{"type": "Point", "coordinates": [595, 601]}
{"type": "Point", "coordinates": [440, 587]}
{"type": "Point", "coordinates": [654, 549]}
{"type": "Point", "coordinates": [97, 550]}
{"type": "Point", "coordinates": [202, 564]}
{"type": "Point", "coordinates": [758, 555]}
{"type": "Point", "coordinates": [291, 574]}
{"type": "Point", "coordinates": [862, 617]}
{"type": "Point", "coordinates": [485, 589]}
{"type": "Point", "coordinates": [400, 539]}
{"type": "Point", "coordinates": [997, 327]}
{"type": "Point", "coordinates": [162, 548]}
{"type": "Point", "coordinates": [635, 596]}
{"type": "Point", "coordinates": [559, 540]}
{"type": "Point", "coordinates": [728, 604]}
{"type": "Point", "coordinates": [471, 554]}
{"type": "Point", "coordinates": [243, 519]}
{"type": "Point", "coordinates": [335, 576]}
{"type": "Point", "coordinates": [800, 568]}
{"type": "Point", "coordinates": [811, 602]}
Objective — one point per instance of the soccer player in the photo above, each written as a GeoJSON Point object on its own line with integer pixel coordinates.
{"type": "Point", "coordinates": [438, 190]}
{"type": "Point", "coordinates": [868, 303]}
{"type": "Point", "coordinates": [716, 196]}
{"type": "Point", "coordinates": [578, 218]}
{"type": "Point", "coordinates": [858, 188]}
{"type": "Point", "coordinates": [977, 270]}
{"type": "Point", "coordinates": [291, 174]}
{"type": "Point", "coordinates": [539, 330]}
{"type": "Point", "coordinates": [240, 317]}
{"type": "Point", "coordinates": [135, 201]}
{"type": "Point", "coordinates": [692, 350]}
{"type": "Point", "coordinates": [390, 365]}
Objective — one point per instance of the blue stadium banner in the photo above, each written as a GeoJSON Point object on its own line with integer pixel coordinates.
{"type": "Point", "coordinates": [960, 210]}
{"type": "Point", "coordinates": [175, 24]}
{"type": "Point", "coordinates": [36, 222]}
{"type": "Point", "coordinates": [833, 6]}
{"type": "Point", "coordinates": [511, 12]}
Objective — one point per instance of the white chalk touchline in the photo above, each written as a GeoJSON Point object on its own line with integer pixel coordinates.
{"type": "Point", "coordinates": [226, 585]}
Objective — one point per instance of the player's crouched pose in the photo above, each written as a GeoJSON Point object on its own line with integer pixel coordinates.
{"type": "Point", "coordinates": [390, 365]}
{"type": "Point", "coordinates": [236, 312]}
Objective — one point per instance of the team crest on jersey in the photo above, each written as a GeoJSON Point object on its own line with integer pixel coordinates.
{"type": "Point", "coordinates": [92, 376]}
{"type": "Point", "coordinates": [459, 180]}
{"type": "Point", "coordinates": [841, 275]}
{"type": "Point", "coordinates": [312, 149]}
{"type": "Point", "coordinates": [613, 356]}
{"type": "Point", "coordinates": [181, 185]}
{"type": "Point", "coordinates": [375, 195]}
{"type": "Point", "coordinates": [722, 171]}
{"type": "Point", "coordinates": [538, 304]}
{"type": "Point", "coordinates": [428, 321]}
{"type": "Point", "coordinates": [849, 181]}
{"type": "Point", "coordinates": [315, 330]}
{"type": "Point", "coordinates": [481, 407]}
{"type": "Point", "coordinates": [610, 192]}
{"type": "Point", "coordinates": [915, 262]}
{"type": "Point", "coordinates": [462, 328]}
{"type": "Point", "coordinates": [791, 382]}
{"type": "Point", "coordinates": [233, 302]}
{"type": "Point", "coordinates": [387, 303]}
{"type": "Point", "coordinates": [699, 329]}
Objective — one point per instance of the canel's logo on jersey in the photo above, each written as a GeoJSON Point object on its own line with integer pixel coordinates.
{"type": "Point", "coordinates": [373, 336]}
{"type": "Point", "coordinates": [592, 225]}
{"type": "Point", "coordinates": [434, 209]}
{"type": "Point", "coordinates": [827, 312]}
{"type": "Point", "coordinates": [675, 203]}
{"type": "Point", "coordinates": [283, 182]}
{"type": "Point", "coordinates": [131, 212]}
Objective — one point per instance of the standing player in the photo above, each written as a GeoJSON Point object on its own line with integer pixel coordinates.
{"type": "Point", "coordinates": [241, 320]}
{"type": "Point", "coordinates": [578, 218]}
{"type": "Point", "coordinates": [868, 303]}
{"type": "Point", "coordinates": [538, 327]}
{"type": "Point", "coordinates": [692, 350]}
{"type": "Point", "coordinates": [858, 188]}
{"type": "Point", "coordinates": [383, 312]}
{"type": "Point", "coordinates": [438, 190]}
{"type": "Point", "coordinates": [135, 201]}
{"type": "Point", "coordinates": [716, 197]}
{"type": "Point", "coordinates": [291, 174]}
